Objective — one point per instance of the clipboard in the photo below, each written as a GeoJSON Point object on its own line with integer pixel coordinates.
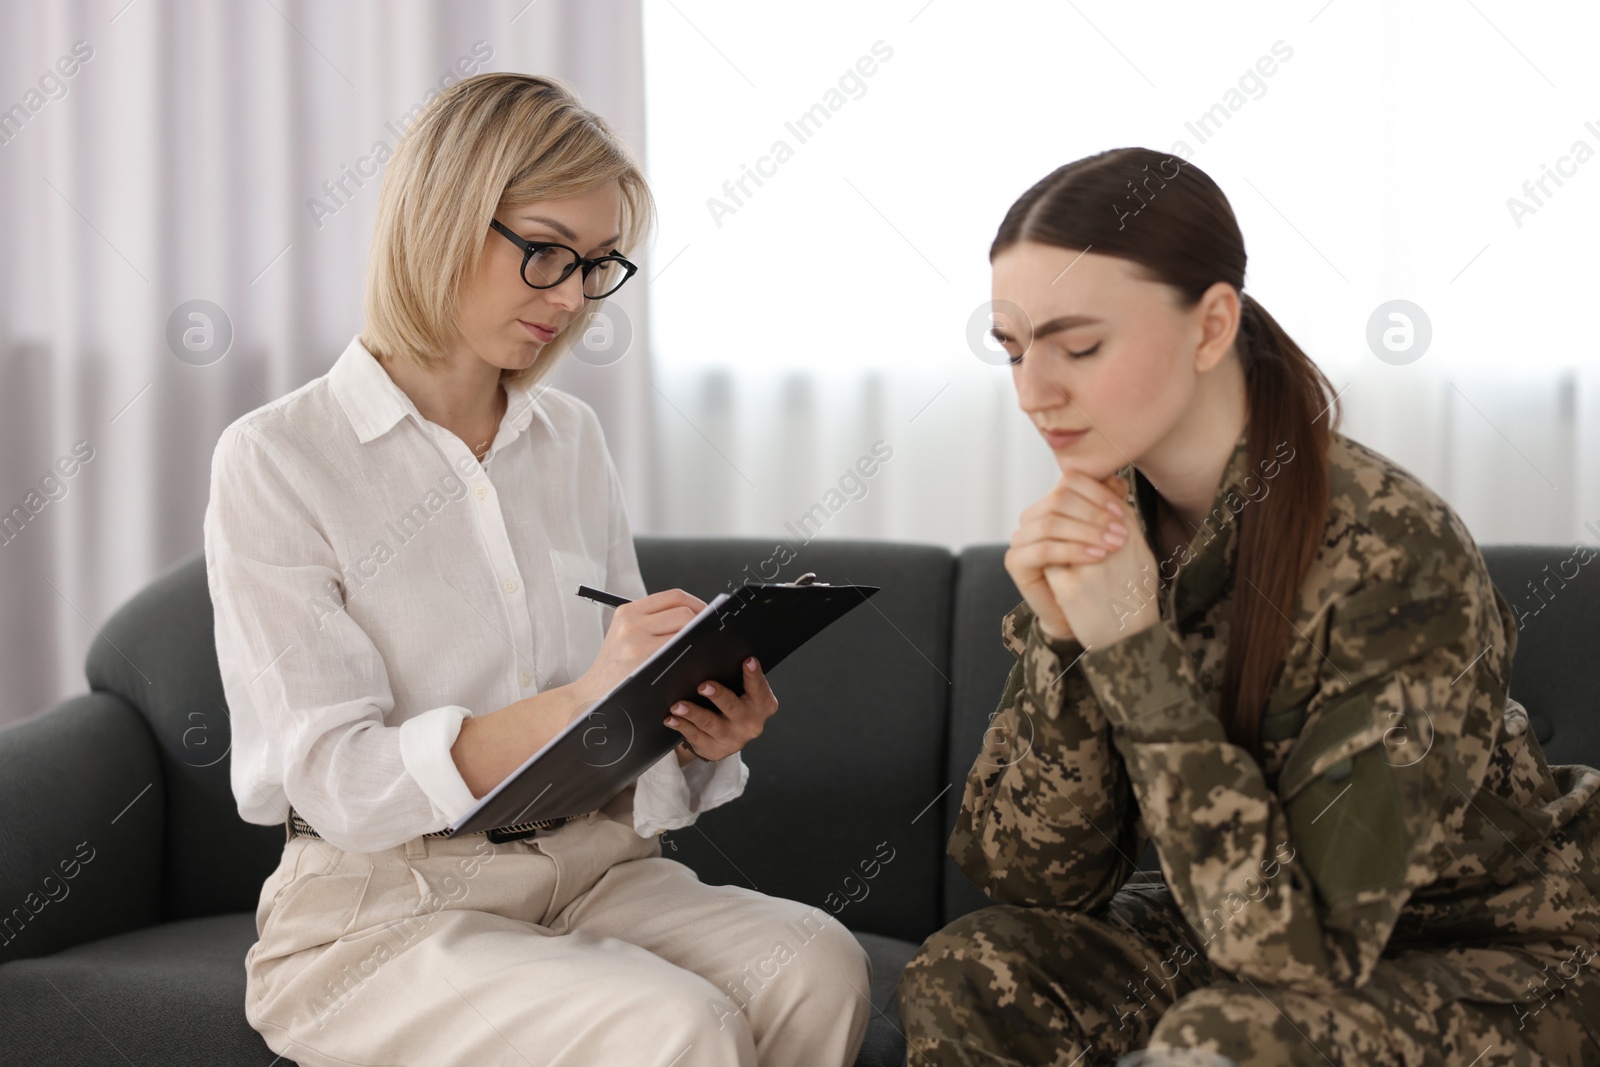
{"type": "Point", "coordinates": [602, 751]}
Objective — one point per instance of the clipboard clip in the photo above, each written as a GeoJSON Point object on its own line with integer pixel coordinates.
{"type": "Point", "coordinates": [808, 578]}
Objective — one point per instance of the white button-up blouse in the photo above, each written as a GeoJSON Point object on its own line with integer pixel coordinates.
{"type": "Point", "coordinates": [373, 586]}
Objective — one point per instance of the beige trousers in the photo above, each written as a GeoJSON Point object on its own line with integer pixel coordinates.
{"type": "Point", "coordinates": [582, 946]}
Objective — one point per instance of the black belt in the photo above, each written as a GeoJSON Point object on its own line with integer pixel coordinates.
{"type": "Point", "coordinates": [497, 834]}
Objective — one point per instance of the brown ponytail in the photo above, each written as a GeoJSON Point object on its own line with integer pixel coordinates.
{"type": "Point", "coordinates": [1169, 217]}
{"type": "Point", "coordinates": [1290, 401]}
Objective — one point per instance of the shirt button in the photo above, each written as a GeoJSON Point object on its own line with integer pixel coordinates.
{"type": "Point", "coordinates": [511, 586]}
{"type": "Point", "coordinates": [527, 679]}
{"type": "Point", "coordinates": [480, 491]}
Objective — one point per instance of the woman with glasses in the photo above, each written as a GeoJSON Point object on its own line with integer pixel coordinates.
{"type": "Point", "coordinates": [1270, 651]}
{"type": "Point", "coordinates": [393, 551]}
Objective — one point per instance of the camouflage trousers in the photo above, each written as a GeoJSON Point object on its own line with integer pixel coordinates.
{"type": "Point", "coordinates": [1009, 985]}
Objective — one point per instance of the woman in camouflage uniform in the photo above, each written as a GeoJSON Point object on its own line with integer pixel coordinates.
{"type": "Point", "coordinates": [1302, 702]}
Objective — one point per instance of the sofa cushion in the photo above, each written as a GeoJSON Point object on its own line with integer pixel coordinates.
{"type": "Point", "coordinates": [174, 993]}
{"type": "Point", "coordinates": [885, 1043]}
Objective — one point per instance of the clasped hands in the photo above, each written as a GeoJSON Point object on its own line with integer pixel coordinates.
{"type": "Point", "coordinates": [1079, 561]}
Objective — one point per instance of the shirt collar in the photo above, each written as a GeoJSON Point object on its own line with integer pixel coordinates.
{"type": "Point", "coordinates": [374, 403]}
{"type": "Point", "coordinates": [1204, 568]}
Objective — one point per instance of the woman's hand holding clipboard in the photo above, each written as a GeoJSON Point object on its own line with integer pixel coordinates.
{"type": "Point", "coordinates": [638, 629]}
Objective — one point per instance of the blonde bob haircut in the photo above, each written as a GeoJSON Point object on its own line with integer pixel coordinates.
{"type": "Point", "coordinates": [490, 141]}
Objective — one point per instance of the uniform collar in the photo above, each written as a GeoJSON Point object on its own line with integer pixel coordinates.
{"type": "Point", "coordinates": [374, 403]}
{"type": "Point", "coordinates": [1204, 568]}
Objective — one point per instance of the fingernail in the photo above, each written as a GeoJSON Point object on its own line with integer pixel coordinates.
{"type": "Point", "coordinates": [705, 690]}
{"type": "Point", "coordinates": [751, 664]}
{"type": "Point", "coordinates": [1114, 507]}
{"type": "Point", "coordinates": [1096, 551]}
{"type": "Point", "coordinates": [671, 721]}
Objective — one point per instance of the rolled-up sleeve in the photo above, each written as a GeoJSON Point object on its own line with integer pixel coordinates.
{"type": "Point", "coordinates": [670, 797]}
{"type": "Point", "coordinates": [425, 744]}
{"type": "Point", "coordinates": [302, 677]}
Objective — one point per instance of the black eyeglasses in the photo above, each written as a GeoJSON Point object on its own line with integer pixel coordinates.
{"type": "Point", "coordinates": [546, 264]}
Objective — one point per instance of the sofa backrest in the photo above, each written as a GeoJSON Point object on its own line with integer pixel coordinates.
{"type": "Point", "coordinates": [978, 669]}
{"type": "Point", "coordinates": [1556, 671]}
{"type": "Point", "coordinates": [844, 807]}
{"type": "Point", "coordinates": [159, 654]}
{"type": "Point", "coordinates": [855, 784]}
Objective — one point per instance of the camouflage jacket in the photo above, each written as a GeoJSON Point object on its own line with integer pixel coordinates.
{"type": "Point", "coordinates": [1400, 799]}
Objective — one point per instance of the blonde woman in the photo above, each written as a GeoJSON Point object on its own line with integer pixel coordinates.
{"type": "Point", "coordinates": [392, 551]}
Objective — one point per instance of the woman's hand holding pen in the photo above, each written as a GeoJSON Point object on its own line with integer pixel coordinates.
{"type": "Point", "coordinates": [637, 630]}
{"type": "Point", "coordinates": [491, 746]}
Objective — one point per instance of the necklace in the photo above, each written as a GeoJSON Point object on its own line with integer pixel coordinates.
{"type": "Point", "coordinates": [503, 400]}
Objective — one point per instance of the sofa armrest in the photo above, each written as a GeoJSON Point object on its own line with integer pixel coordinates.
{"type": "Point", "coordinates": [81, 834]}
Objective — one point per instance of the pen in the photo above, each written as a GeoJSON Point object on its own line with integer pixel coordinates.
{"type": "Point", "coordinates": [600, 596]}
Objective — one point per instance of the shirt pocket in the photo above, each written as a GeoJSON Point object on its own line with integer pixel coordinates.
{"type": "Point", "coordinates": [583, 620]}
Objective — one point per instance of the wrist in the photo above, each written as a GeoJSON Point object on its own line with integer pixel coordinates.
{"type": "Point", "coordinates": [1110, 631]}
{"type": "Point", "coordinates": [1050, 635]}
{"type": "Point", "coordinates": [580, 697]}
{"type": "Point", "coordinates": [1057, 642]}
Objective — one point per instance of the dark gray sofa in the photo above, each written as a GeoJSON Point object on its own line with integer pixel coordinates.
{"type": "Point", "coordinates": [138, 956]}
